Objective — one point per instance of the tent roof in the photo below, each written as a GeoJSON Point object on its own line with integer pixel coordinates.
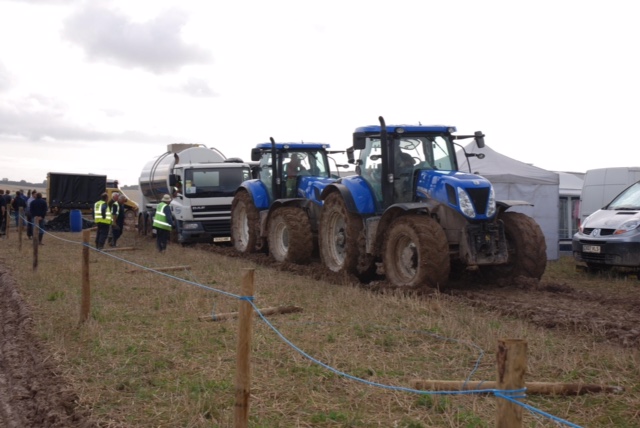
{"type": "Point", "coordinates": [499, 168]}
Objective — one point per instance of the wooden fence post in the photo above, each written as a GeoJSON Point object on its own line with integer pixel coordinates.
{"type": "Point", "coordinates": [243, 367]}
{"type": "Point", "coordinates": [85, 305]}
{"type": "Point", "coordinates": [36, 242]}
{"type": "Point", "coordinates": [512, 365]}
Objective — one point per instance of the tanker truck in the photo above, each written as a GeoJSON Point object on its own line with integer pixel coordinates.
{"type": "Point", "coordinates": [202, 182]}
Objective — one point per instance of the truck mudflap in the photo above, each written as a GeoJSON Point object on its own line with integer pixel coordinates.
{"type": "Point", "coordinates": [483, 244]}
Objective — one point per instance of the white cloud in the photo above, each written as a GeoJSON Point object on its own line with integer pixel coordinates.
{"type": "Point", "coordinates": [107, 35]}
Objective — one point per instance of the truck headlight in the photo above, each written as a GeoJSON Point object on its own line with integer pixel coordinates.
{"type": "Point", "coordinates": [465, 203]}
{"type": "Point", "coordinates": [491, 205]}
{"type": "Point", "coordinates": [627, 227]}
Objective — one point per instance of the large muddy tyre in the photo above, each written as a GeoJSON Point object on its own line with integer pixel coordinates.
{"type": "Point", "coordinates": [339, 235]}
{"type": "Point", "coordinates": [245, 223]}
{"type": "Point", "coordinates": [527, 249]}
{"type": "Point", "coordinates": [416, 253]}
{"type": "Point", "coordinates": [290, 236]}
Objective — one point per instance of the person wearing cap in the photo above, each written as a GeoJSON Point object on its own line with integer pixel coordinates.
{"type": "Point", "coordinates": [163, 223]}
{"type": "Point", "coordinates": [102, 217]}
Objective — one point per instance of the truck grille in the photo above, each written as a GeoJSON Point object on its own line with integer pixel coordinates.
{"type": "Point", "coordinates": [220, 227]}
{"type": "Point", "coordinates": [211, 211]}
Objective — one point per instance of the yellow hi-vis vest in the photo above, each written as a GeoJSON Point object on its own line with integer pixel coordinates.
{"type": "Point", "coordinates": [160, 220]}
{"type": "Point", "coordinates": [97, 212]}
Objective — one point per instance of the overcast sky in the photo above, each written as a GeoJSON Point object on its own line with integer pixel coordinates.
{"type": "Point", "coordinates": [103, 86]}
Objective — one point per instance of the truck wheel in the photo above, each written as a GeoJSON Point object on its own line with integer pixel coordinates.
{"type": "Point", "coordinates": [290, 236]}
{"type": "Point", "coordinates": [527, 249]}
{"type": "Point", "coordinates": [416, 253]}
{"type": "Point", "coordinates": [339, 236]}
{"type": "Point", "coordinates": [245, 223]}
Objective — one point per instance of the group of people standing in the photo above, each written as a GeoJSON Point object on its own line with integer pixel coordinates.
{"type": "Point", "coordinates": [109, 218]}
{"type": "Point", "coordinates": [34, 207]}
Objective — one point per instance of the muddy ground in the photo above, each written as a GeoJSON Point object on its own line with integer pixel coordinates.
{"type": "Point", "coordinates": [32, 393]}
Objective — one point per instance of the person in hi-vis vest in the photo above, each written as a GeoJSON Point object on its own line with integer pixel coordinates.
{"type": "Point", "coordinates": [102, 217]}
{"type": "Point", "coordinates": [163, 223]}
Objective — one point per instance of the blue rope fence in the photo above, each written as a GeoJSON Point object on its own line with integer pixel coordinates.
{"type": "Point", "coordinates": [512, 396]}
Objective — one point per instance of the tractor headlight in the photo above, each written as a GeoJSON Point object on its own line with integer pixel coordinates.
{"type": "Point", "coordinates": [491, 205]}
{"type": "Point", "coordinates": [465, 203]}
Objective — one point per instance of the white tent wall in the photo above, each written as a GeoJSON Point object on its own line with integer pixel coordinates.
{"type": "Point", "coordinates": [515, 180]}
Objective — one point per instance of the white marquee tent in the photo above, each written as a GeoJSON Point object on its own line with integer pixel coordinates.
{"type": "Point", "coordinates": [515, 180]}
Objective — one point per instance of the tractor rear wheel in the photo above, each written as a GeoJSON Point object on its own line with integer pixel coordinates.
{"type": "Point", "coordinates": [245, 223]}
{"type": "Point", "coordinates": [339, 234]}
{"type": "Point", "coordinates": [527, 249]}
{"type": "Point", "coordinates": [290, 236]}
{"type": "Point", "coordinates": [416, 253]}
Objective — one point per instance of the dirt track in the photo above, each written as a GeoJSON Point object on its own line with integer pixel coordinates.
{"type": "Point", "coordinates": [33, 395]}
{"type": "Point", "coordinates": [31, 392]}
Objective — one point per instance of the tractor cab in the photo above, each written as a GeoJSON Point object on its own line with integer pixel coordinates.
{"type": "Point", "coordinates": [390, 159]}
{"type": "Point", "coordinates": [283, 166]}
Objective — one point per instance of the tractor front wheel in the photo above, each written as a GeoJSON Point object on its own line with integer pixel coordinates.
{"type": "Point", "coordinates": [416, 253]}
{"type": "Point", "coordinates": [527, 249]}
{"type": "Point", "coordinates": [290, 236]}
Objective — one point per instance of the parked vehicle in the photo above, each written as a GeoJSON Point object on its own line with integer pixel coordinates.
{"type": "Point", "coordinates": [410, 210]}
{"type": "Point", "coordinates": [69, 191]}
{"type": "Point", "coordinates": [611, 236]}
{"type": "Point", "coordinates": [601, 185]}
{"type": "Point", "coordinates": [202, 181]}
{"type": "Point", "coordinates": [279, 209]}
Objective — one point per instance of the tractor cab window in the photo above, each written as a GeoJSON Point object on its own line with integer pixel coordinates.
{"type": "Point", "coordinates": [265, 172]}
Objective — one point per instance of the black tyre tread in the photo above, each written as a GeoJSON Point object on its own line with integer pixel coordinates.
{"type": "Point", "coordinates": [527, 249]}
{"type": "Point", "coordinates": [334, 204]}
{"type": "Point", "coordinates": [297, 222]}
{"type": "Point", "coordinates": [433, 252]}
{"type": "Point", "coordinates": [243, 199]}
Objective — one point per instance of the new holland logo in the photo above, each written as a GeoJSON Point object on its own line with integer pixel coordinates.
{"type": "Point", "coordinates": [595, 232]}
{"type": "Point", "coordinates": [476, 182]}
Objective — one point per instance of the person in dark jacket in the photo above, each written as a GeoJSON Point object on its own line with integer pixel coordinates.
{"type": "Point", "coordinates": [18, 202]}
{"type": "Point", "coordinates": [38, 210]}
{"type": "Point", "coordinates": [3, 212]}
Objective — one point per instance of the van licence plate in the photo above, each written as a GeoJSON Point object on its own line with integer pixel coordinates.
{"type": "Point", "coordinates": [222, 239]}
{"type": "Point", "coordinates": [591, 249]}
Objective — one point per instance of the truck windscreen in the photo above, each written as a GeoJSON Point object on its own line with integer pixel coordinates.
{"type": "Point", "coordinates": [213, 182]}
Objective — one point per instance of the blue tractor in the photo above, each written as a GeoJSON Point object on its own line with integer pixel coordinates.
{"type": "Point", "coordinates": [410, 214]}
{"type": "Point", "coordinates": [279, 209]}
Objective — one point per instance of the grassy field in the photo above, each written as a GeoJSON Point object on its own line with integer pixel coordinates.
{"type": "Point", "coordinates": [145, 358]}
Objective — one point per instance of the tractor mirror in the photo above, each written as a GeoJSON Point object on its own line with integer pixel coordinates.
{"type": "Point", "coordinates": [350, 156]}
{"type": "Point", "coordinates": [256, 155]}
{"type": "Point", "coordinates": [359, 141]}
{"type": "Point", "coordinates": [479, 137]}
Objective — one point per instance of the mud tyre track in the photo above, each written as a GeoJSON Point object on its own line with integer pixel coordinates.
{"type": "Point", "coordinates": [32, 393]}
{"type": "Point", "coordinates": [614, 319]}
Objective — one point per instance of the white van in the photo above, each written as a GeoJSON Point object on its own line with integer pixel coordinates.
{"type": "Point", "coordinates": [611, 236]}
{"type": "Point", "coordinates": [601, 185]}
